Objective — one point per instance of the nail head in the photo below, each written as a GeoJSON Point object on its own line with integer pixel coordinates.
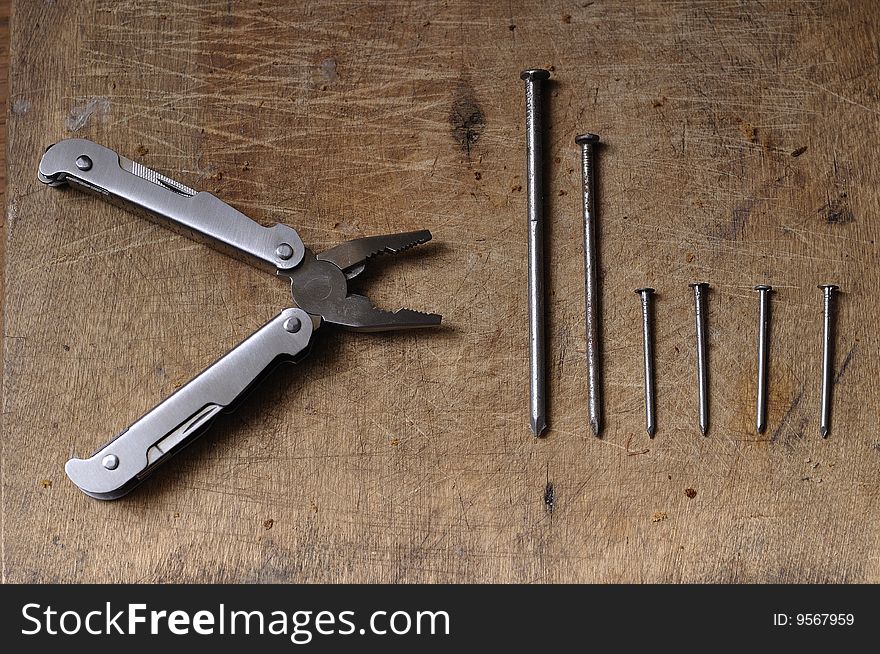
{"type": "Point", "coordinates": [535, 74]}
{"type": "Point", "coordinates": [586, 139]}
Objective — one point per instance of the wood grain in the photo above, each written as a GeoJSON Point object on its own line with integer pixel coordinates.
{"type": "Point", "coordinates": [4, 94]}
{"type": "Point", "coordinates": [740, 148]}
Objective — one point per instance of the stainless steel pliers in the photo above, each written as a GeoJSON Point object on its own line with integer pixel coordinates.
{"type": "Point", "coordinates": [318, 284]}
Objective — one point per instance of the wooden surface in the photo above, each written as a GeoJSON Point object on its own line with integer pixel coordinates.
{"type": "Point", "coordinates": [4, 94]}
{"type": "Point", "coordinates": [740, 148]}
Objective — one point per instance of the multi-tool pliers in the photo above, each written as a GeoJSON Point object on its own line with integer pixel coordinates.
{"type": "Point", "coordinates": [318, 283]}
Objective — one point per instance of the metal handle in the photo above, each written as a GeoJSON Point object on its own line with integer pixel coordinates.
{"type": "Point", "coordinates": [198, 214]}
{"type": "Point", "coordinates": [121, 464]}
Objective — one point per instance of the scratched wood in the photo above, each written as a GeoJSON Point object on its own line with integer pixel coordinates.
{"type": "Point", "coordinates": [740, 148]}
{"type": "Point", "coordinates": [4, 93]}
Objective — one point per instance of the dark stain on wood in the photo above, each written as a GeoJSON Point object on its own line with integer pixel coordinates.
{"type": "Point", "coordinates": [844, 364]}
{"type": "Point", "coordinates": [550, 496]}
{"type": "Point", "coordinates": [795, 403]}
{"type": "Point", "coordinates": [837, 211]}
{"type": "Point", "coordinates": [466, 118]}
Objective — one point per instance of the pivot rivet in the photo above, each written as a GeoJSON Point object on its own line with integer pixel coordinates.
{"type": "Point", "coordinates": [284, 251]}
{"type": "Point", "coordinates": [292, 325]}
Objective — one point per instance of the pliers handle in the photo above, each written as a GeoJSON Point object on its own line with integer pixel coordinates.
{"type": "Point", "coordinates": [120, 465]}
{"type": "Point", "coordinates": [196, 214]}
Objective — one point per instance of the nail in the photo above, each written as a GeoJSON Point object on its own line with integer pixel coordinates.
{"type": "Point", "coordinates": [534, 160]}
{"type": "Point", "coordinates": [763, 351]}
{"type": "Point", "coordinates": [587, 143]}
{"type": "Point", "coordinates": [828, 291]}
{"type": "Point", "coordinates": [648, 351]}
{"type": "Point", "coordinates": [700, 291]}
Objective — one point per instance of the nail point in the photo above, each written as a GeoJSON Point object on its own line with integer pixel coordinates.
{"type": "Point", "coordinates": [538, 426]}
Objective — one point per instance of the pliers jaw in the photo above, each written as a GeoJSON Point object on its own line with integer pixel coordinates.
{"type": "Point", "coordinates": [319, 285]}
{"type": "Point", "coordinates": [351, 256]}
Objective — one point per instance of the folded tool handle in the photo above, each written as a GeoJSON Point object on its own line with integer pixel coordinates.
{"type": "Point", "coordinates": [124, 462]}
{"type": "Point", "coordinates": [198, 214]}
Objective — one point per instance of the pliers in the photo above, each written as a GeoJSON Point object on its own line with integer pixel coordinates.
{"type": "Point", "coordinates": [318, 285]}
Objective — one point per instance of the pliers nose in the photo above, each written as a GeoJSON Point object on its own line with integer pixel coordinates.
{"type": "Point", "coordinates": [351, 256]}
{"type": "Point", "coordinates": [319, 285]}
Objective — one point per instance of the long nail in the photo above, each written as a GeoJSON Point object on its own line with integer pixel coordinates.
{"type": "Point", "coordinates": [587, 143]}
{"type": "Point", "coordinates": [534, 178]}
